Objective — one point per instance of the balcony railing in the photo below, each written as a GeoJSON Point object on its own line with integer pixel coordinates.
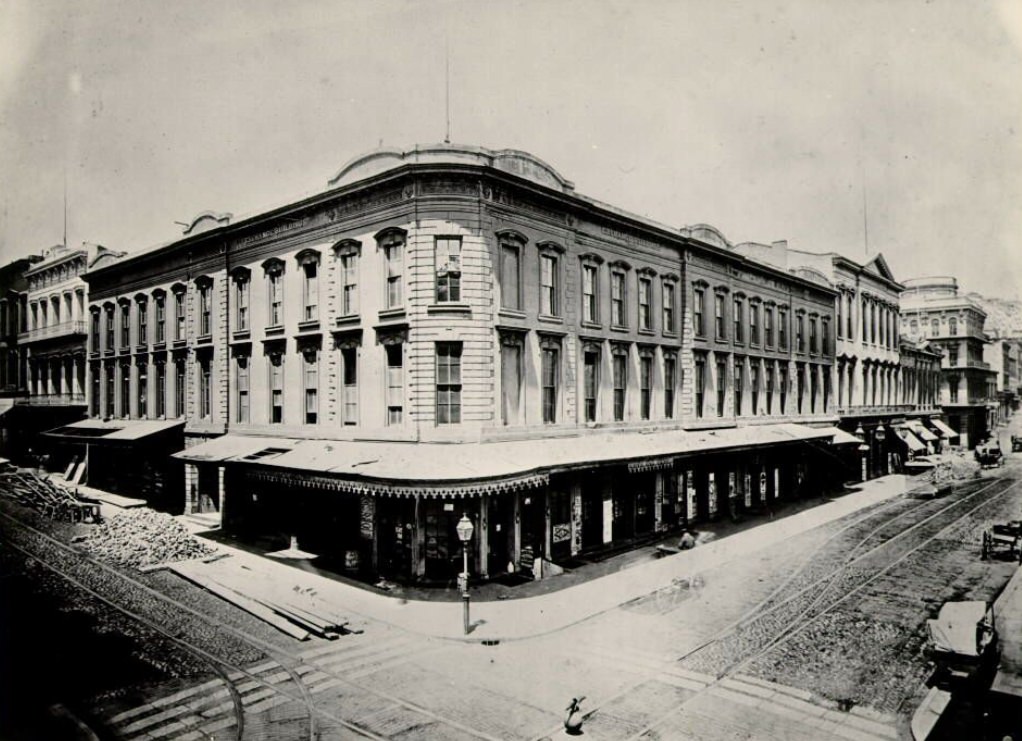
{"type": "Point", "coordinates": [52, 400]}
{"type": "Point", "coordinates": [876, 409]}
{"type": "Point", "coordinates": [54, 330]}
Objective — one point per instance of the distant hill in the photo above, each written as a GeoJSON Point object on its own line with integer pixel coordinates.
{"type": "Point", "coordinates": [1004, 316]}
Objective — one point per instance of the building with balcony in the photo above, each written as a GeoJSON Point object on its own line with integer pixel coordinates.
{"type": "Point", "coordinates": [53, 335]}
{"type": "Point", "coordinates": [932, 309]}
{"type": "Point", "coordinates": [454, 330]}
{"type": "Point", "coordinates": [13, 365]}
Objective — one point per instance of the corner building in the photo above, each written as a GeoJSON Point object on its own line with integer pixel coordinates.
{"type": "Point", "coordinates": [453, 330]}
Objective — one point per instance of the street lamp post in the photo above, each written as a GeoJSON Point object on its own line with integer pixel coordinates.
{"type": "Point", "coordinates": [465, 530]}
{"type": "Point", "coordinates": [880, 435]}
{"type": "Point", "coordinates": [863, 449]}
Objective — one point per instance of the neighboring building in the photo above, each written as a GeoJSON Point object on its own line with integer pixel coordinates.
{"type": "Point", "coordinates": [53, 337]}
{"type": "Point", "coordinates": [875, 396]}
{"type": "Point", "coordinates": [931, 308]}
{"type": "Point", "coordinates": [1003, 353]}
{"type": "Point", "coordinates": [13, 366]}
{"type": "Point", "coordinates": [453, 330]}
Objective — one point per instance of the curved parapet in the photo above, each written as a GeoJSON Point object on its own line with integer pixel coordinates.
{"type": "Point", "coordinates": [206, 220]}
{"type": "Point", "coordinates": [707, 233]}
{"type": "Point", "coordinates": [813, 275]}
{"type": "Point", "coordinates": [513, 161]}
{"type": "Point", "coordinates": [936, 285]}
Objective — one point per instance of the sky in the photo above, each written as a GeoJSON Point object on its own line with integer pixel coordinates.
{"type": "Point", "coordinates": [770, 119]}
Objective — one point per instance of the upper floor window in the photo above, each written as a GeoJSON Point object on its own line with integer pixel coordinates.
{"type": "Point", "coordinates": [511, 244]}
{"type": "Point", "coordinates": [700, 382]}
{"type": "Point", "coordinates": [348, 253]}
{"type": "Point", "coordinates": [645, 385]}
{"type": "Point", "coordinates": [395, 382]}
{"type": "Point", "coordinates": [839, 305]}
{"type": "Point", "coordinates": [590, 301]}
{"type": "Point", "coordinates": [617, 299]}
{"type": "Point", "coordinates": [205, 288]}
{"type": "Point", "coordinates": [739, 319]}
{"type": "Point", "coordinates": [309, 262]}
{"type": "Point", "coordinates": [243, 397]}
{"type": "Point", "coordinates": [718, 315]}
{"type": "Point", "coordinates": [670, 383]}
{"type": "Point", "coordinates": [549, 279]}
{"type": "Point", "coordinates": [721, 386]}
{"type": "Point", "coordinates": [180, 314]}
{"type": "Point", "coordinates": [205, 387]}
{"type": "Point", "coordinates": [619, 369]}
{"type": "Point", "coordinates": [590, 381]}
{"type": "Point", "coordinates": [125, 324]}
{"type": "Point", "coordinates": [349, 375]}
{"type": "Point", "coordinates": [160, 311]}
{"type": "Point", "coordinates": [800, 339]}
{"type": "Point", "coordinates": [813, 348]}
{"type": "Point", "coordinates": [952, 355]}
{"type": "Point", "coordinates": [669, 322]}
{"type": "Point", "coordinates": [768, 326]}
{"type": "Point", "coordinates": [865, 320]}
{"type": "Point", "coordinates": [698, 311]}
{"type": "Point", "coordinates": [849, 322]}
{"type": "Point", "coordinates": [448, 383]}
{"type": "Point", "coordinates": [782, 329]}
{"type": "Point", "coordinates": [935, 328]}
{"type": "Point", "coordinates": [447, 258]}
{"type": "Point", "coordinates": [952, 326]}
{"type": "Point", "coordinates": [274, 269]}
{"type": "Point", "coordinates": [825, 327]}
{"type": "Point", "coordinates": [143, 321]}
{"type": "Point", "coordinates": [753, 324]}
{"type": "Point", "coordinates": [94, 342]}
{"type": "Point", "coordinates": [645, 303]}
{"type": "Point", "coordinates": [241, 283]}
{"type": "Point", "coordinates": [913, 328]}
{"type": "Point", "coordinates": [310, 385]}
{"type": "Point", "coordinates": [276, 387]}
{"type": "Point", "coordinates": [110, 327]}
{"type": "Point", "coordinates": [392, 243]}
{"type": "Point", "coordinates": [551, 374]}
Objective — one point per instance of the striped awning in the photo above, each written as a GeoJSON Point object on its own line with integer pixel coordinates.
{"type": "Point", "coordinates": [911, 440]}
{"type": "Point", "coordinates": [393, 489]}
{"type": "Point", "coordinates": [943, 429]}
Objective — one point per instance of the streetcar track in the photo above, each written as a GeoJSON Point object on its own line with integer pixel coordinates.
{"type": "Point", "coordinates": [829, 578]}
{"type": "Point", "coordinates": [270, 649]}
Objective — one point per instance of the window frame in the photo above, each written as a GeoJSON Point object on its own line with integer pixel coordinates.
{"type": "Point", "coordinates": [309, 263]}
{"type": "Point", "coordinates": [348, 254]}
{"type": "Point", "coordinates": [619, 381]}
{"type": "Point", "coordinates": [510, 241]}
{"type": "Point", "coordinates": [550, 295]}
{"type": "Point", "coordinates": [448, 382]}
{"type": "Point", "coordinates": [447, 283]}
{"type": "Point", "coordinates": [391, 243]}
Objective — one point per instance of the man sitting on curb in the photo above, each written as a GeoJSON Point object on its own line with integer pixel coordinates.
{"type": "Point", "coordinates": [687, 541]}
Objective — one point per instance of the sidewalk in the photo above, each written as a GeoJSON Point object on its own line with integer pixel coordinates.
{"type": "Point", "coordinates": [547, 613]}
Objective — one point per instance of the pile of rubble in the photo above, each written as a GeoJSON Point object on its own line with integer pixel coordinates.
{"type": "Point", "coordinates": [142, 537]}
{"type": "Point", "coordinates": [952, 469]}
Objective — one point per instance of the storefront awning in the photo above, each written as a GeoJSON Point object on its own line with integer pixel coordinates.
{"type": "Point", "coordinates": [943, 429]}
{"type": "Point", "coordinates": [841, 437]}
{"type": "Point", "coordinates": [237, 447]}
{"type": "Point", "coordinates": [911, 440]}
{"type": "Point", "coordinates": [921, 432]}
{"type": "Point", "coordinates": [113, 431]}
{"type": "Point", "coordinates": [5, 406]}
{"type": "Point", "coordinates": [404, 468]}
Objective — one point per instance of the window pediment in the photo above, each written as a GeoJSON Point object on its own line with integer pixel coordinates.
{"type": "Point", "coordinates": [646, 271]}
{"type": "Point", "coordinates": [203, 281]}
{"type": "Point", "coordinates": [512, 235]}
{"type": "Point", "coordinates": [550, 246]}
{"type": "Point", "coordinates": [347, 247]}
{"type": "Point", "coordinates": [591, 258]}
{"type": "Point", "coordinates": [619, 348]}
{"type": "Point", "coordinates": [241, 274]}
{"type": "Point", "coordinates": [307, 256]}
{"type": "Point", "coordinates": [179, 288]}
{"type": "Point", "coordinates": [670, 277]}
{"type": "Point", "coordinates": [273, 266]}
{"type": "Point", "coordinates": [721, 289]}
{"type": "Point", "coordinates": [620, 265]}
{"type": "Point", "coordinates": [392, 235]}
{"type": "Point", "coordinates": [141, 298]}
{"type": "Point", "coordinates": [700, 283]}
{"type": "Point", "coordinates": [159, 294]}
